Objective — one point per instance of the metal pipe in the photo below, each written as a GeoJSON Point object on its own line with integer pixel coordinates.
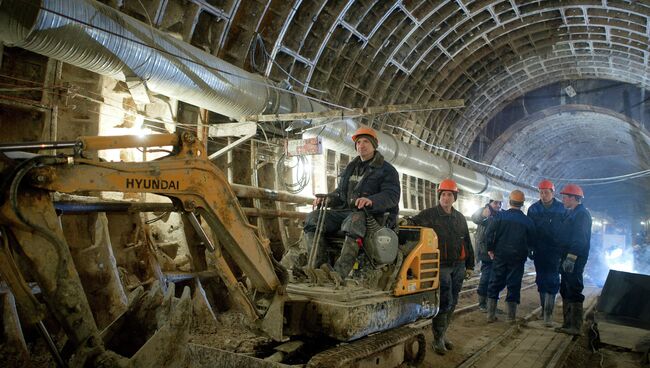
{"type": "Point", "coordinates": [270, 213]}
{"type": "Point", "coordinates": [50, 344]}
{"type": "Point", "coordinates": [245, 191]}
{"type": "Point", "coordinates": [407, 158]}
{"type": "Point", "coordinates": [8, 147]}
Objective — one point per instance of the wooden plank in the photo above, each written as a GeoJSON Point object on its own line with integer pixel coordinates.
{"type": "Point", "coordinates": [623, 336]}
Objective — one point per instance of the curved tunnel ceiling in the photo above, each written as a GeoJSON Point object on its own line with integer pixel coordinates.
{"type": "Point", "coordinates": [574, 143]}
{"type": "Point", "coordinates": [360, 53]}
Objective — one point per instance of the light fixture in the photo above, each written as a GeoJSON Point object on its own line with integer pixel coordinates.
{"type": "Point", "coordinates": [570, 91]}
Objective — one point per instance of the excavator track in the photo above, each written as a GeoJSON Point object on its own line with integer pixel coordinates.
{"type": "Point", "coordinates": [386, 349]}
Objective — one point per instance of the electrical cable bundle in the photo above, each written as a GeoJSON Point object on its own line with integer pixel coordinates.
{"type": "Point", "coordinates": [290, 165]}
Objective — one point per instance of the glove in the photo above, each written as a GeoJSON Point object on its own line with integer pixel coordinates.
{"type": "Point", "coordinates": [569, 263]}
{"type": "Point", "coordinates": [403, 221]}
{"type": "Point", "coordinates": [468, 274]}
{"type": "Point", "coordinates": [531, 254]}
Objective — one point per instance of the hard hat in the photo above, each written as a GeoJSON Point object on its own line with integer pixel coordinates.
{"type": "Point", "coordinates": [517, 196]}
{"type": "Point", "coordinates": [496, 196]}
{"type": "Point", "coordinates": [449, 185]}
{"type": "Point", "coordinates": [573, 189]}
{"type": "Point", "coordinates": [546, 184]}
{"type": "Point", "coordinates": [364, 130]}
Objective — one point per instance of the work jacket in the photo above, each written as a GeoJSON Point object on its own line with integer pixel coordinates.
{"type": "Point", "coordinates": [575, 232]}
{"type": "Point", "coordinates": [479, 236]}
{"type": "Point", "coordinates": [548, 222]}
{"type": "Point", "coordinates": [380, 183]}
{"type": "Point", "coordinates": [454, 242]}
{"type": "Point", "coordinates": [510, 235]}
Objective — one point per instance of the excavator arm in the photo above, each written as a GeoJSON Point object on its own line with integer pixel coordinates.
{"type": "Point", "coordinates": [197, 189]}
{"type": "Point", "coordinates": [192, 182]}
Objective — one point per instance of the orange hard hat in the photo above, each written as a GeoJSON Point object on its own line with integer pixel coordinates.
{"type": "Point", "coordinates": [517, 196]}
{"type": "Point", "coordinates": [546, 184]}
{"type": "Point", "coordinates": [449, 185]}
{"type": "Point", "coordinates": [364, 130]}
{"type": "Point", "coordinates": [573, 189]}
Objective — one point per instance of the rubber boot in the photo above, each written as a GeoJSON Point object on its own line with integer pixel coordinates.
{"type": "Point", "coordinates": [438, 326]}
{"type": "Point", "coordinates": [566, 318]}
{"type": "Point", "coordinates": [348, 257]}
{"type": "Point", "coordinates": [575, 317]}
{"type": "Point", "coordinates": [549, 305]}
{"type": "Point", "coordinates": [512, 312]}
{"type": "Point", "coordinates": [482, 303]}
{"type": "Point", "coordinates": [491, 310]}
{"type": "Point", "coordinates": [542, 300]}
{"type": "Point", "coordinates": [450, 316]}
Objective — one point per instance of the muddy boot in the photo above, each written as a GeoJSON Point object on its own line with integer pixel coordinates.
{"type": "Point", "coordinates": [448, 344]}
{"type": "Point", "coordinates": [491, 310]}
{"type": "Point", "coordinates": [566, 318]}
{"type": "Point", "coordinates": [512, 312]}
{"type": "Point", "coordinates": [575, 320]}
{"type": "Point", "coordinates": [549, 305]}
{"type": "Point", "coordinates": [438, 326]}
{"type": "Point", "coordinates": [482, 303]}
{"type": "Point", "coordinates": [348, 257]}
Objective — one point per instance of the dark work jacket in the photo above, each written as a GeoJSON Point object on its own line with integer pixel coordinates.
{"type": "Point", "coordinates": [453, 234]}
{"type": "Point", "coordinates": [380, 184]}
{"type": "Point", "coordinates": [548, 222]}
{"type": "Point", "coordinates": [481, 225]}
{"type": "Point", "coordinates": [575, 232]}
{"type": "Point", "coordinates": [510, 235]}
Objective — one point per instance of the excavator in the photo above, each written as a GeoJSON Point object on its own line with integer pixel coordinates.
{"type": "Point", "coordinates": [375, 318]}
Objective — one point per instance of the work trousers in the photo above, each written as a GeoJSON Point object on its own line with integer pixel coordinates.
{"type": "Point", "coordinates": [571, 284]}
{"type": "Point", "coordinates": [451, 281]}
{"type": "Point", "coordinates": [484, 281]}
{"type": "Point", "coordinates": [506, 273]}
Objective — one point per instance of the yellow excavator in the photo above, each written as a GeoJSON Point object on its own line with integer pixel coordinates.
{"type": "Point", "coordinates": [368, 321]}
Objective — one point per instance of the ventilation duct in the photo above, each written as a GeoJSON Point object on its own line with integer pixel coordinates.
{"type": "Point", "coordinates": [407, 158]}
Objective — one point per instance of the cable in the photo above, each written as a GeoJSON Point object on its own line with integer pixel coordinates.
{"type": "Point", "coordinates": [448, 150]}
{"type": "Point", "coordinates": [258, 43]}
{"type": "Point", "coordinates": [606, 180]}
{"type": "Point", "coordinates": [300, 168]}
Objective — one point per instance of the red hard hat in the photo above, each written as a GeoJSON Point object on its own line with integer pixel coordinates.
{"type": "Point", "coordinates": [572, 189]}
{"type": "Point", "coordinates": [449, 185]}
{"type": "Point", "coordinates": [364, 131]}
{"type": "Point", "coordinates": [546, 184]}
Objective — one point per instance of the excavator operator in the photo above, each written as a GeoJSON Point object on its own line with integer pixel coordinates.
{"type": "Point", "coordinates": [368, 182]}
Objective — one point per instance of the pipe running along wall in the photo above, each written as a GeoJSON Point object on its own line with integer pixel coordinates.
{"type": "Point", "coordinates": [407, 158]}
{"type": "Point", "coordinates": [96, 37]}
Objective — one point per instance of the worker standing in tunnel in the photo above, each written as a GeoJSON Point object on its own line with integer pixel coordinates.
{"type": "Point", "coordinates": [510, 238]}
{"type": "Point", "coordinates": [547, 214]}
{"type": "Point", "coordinates": [456, 256]}
{"type": "Point", "coordinates": [368, 182]}
{"type": "Point", "coordinates": [575, 239]}
{"type": "Point", "coordinates": [481, 218]}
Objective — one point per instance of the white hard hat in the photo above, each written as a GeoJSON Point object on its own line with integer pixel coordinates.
{"type": "Point", "coordinates": [496, 196]}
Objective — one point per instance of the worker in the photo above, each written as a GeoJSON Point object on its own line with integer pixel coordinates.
{"type": "Point", "coordinates": [575, 237]}
{"type": "Point", "coordinates": [547, 214]}
{"type": "Point", "coordinates": [480, 218]}
{"type": "Point", "coordinates": [510, 236]}
{"type": "Point", "coordinates": [456, 256]}
{"type": "Point", "coordinates": [369, 182]}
